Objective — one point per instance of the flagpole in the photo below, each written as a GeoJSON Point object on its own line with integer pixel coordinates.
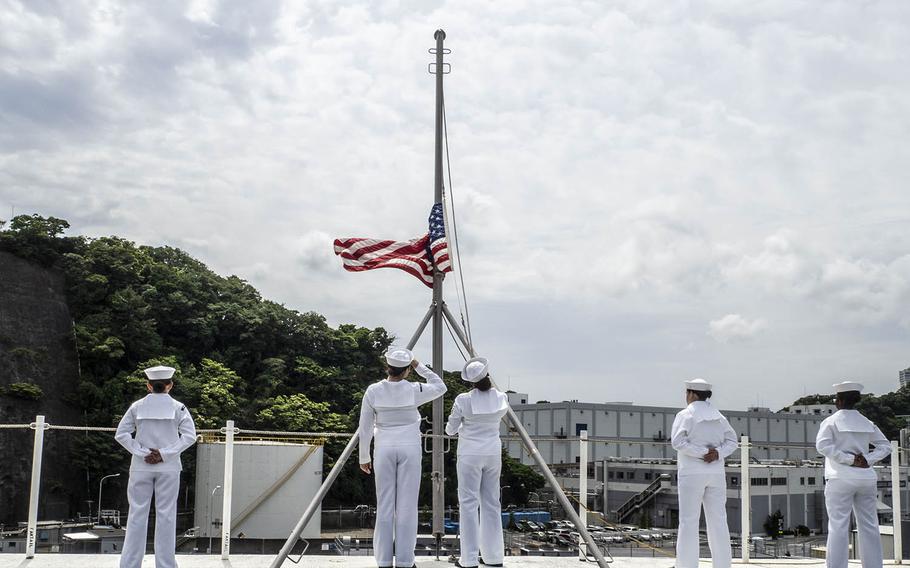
{"type": "Point", "coordinates": [438, 473]}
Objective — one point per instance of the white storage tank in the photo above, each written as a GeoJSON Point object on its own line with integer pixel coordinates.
{"type": "Point", "coordinates": [274, 481]}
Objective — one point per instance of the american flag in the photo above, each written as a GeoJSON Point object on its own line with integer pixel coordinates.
{"type": "Point", "coordinates": [418, 256]}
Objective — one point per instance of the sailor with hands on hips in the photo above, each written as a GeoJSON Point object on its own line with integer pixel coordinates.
{"type": "Point", "coordinates": [163, 429]}
{"type": "Point", "coordinates": [389, 415]}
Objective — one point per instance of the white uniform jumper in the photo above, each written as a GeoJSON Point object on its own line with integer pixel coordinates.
{"type": "Point", "coordinates": [696, 429]}
{"type": "Point", "coordinates": [475, 418]}
{"type": "Point", "coordinates": [840, 436]}
{"type": "Point", "coordinates": [161, 423]}
{"type": "Point", "coordinates": [391, 409]}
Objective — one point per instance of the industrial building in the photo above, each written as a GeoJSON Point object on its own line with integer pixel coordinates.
{"type": "Point", "coordinates": [632, 469]}
{"type": "Point", "coordinates": [623, 430]}
{"type": "Point", "coordinates": [643, 492]}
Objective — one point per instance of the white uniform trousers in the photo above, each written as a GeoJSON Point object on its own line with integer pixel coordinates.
{"type": "Point", "coordinates": [860, 496]}
{"type": "Point", "coordinates": [480, 517]}
{"type": "Point", "coordinates": [708, 491]}
{"type": "Point", "coordinates": [397, 470]}
{"type": "Point", "coordinates": [165, 485]}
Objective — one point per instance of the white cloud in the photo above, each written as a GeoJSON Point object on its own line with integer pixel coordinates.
{"type": "Point", "coordinates": [630, 171]}
{"type": "Point", "coordinates": [734, 328]}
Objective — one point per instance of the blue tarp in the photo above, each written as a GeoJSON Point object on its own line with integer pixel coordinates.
{"type": "Point", "coordinates": [451, 527]}
{"type": "Point", "coordinates": [536, 516]}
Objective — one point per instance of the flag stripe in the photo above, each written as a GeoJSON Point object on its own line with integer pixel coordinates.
{"type": "Point", "coordinates": [420, 257]}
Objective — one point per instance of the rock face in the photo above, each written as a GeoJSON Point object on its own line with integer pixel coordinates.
{"type": "Point", "coordinates": [36, 347]}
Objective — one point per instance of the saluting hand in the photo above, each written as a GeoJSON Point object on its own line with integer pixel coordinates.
{"type": "Point", "coordinates": [366, 467]}
{"type": "Point", "coordinates": [414, 363]}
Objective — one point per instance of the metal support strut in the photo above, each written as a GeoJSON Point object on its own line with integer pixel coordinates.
{"type": "Point", "coordinates": [580, 526]}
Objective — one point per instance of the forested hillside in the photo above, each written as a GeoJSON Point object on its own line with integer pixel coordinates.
{"type": "Point", "coordinates": [238, 356]}
{"type": "Point", "coordinates": [885, 410]}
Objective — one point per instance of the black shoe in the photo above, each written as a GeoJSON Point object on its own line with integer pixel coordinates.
{"type": "Point", "coordinates": [491, 565]}
{"type": "Point", "coordinates": [460, 565]}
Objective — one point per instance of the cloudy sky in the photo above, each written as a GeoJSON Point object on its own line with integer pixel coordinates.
{"type": "Point", "coordinates": [646, 191]}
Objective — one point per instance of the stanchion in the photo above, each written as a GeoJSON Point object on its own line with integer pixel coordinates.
{"type": "Point", "coordinates": [583, 489]}
{"type": "Point", "coordinates": [227, 492]}
{"type": "Point", "coordinates": [745, 506]}
{"type": "Point", "coordinates": [896, 501]}
{"type": "Point", "coordinates": [31, 531]}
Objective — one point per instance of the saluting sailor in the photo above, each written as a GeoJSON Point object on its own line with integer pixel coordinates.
{"type": "Point", "coordinates": [475, 419]}
{"type": "Point", "coordinates": [389, 411]}
{"type": "Point", "coordinates": [844, 439]}
{"type": "Point", "coordinates": [702, 438]}
{"type": "Point", "coordinates": [163, 428]}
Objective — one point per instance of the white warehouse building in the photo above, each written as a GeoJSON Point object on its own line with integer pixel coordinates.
{"type": "Point", "coordinates": [625, 430]}
{"type": "Point", "coordinates": [632, 469]}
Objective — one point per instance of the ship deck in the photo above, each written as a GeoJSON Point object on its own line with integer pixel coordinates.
{"type": "Point", "coordinates": [263, 561]}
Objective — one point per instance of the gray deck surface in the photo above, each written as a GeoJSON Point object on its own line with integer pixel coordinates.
{"type": "Point", "coordinates": [260, 561]}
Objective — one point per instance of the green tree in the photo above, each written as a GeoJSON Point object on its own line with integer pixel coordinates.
{"type": "Point", "coordinates": [238, 355]}
{"type": "Point", "coordinates": [215, 384]}
{"type": "Point", "coordinates": [297, 413]}
{"type": "Point", "coordinates": [773, 524]}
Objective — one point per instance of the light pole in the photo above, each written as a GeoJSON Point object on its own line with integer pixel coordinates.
{"type": "Point", "coordinates": [211, 513]}
{"type": "Point", "coordinates": [500, 492]}
{"type": "Point", "coordinates": [100, 484]}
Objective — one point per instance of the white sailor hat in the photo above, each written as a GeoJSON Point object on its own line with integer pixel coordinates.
{"type": "Point", "coordinates": [475, 370]}
{"type": "Point", "coordinates": [398, 356]}
{"type": "Point", "coordinates": [698, 385]}
{"type": "Point", "coordinates": [159, 373]}
{"type": "Point", "coordinates": [847, 386]}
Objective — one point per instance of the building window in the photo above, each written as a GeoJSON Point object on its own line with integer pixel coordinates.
{"type": "Point", "coordinates": [734, 480]}
{"type": "Point", "coordinates": [810, 481]}
{"type": "Point", "coordinates": [758, 481]}
{"type": "Point", "coordinates": [609, 475]}
{"type": "Point", "coordinates": [524, 401]}
{"type": "Point", "coordinates": [631, 475]}
{"type": "Point", "coordinates": [802, 480]}
{"type": "Point", "coordinates": [647, 475]}
{"type": "Point", "coordinates": [778, 481]}
{"type": "Point", "coordinates": [579, 427]}
{"type": "Point", "coordinates": [620, 475]}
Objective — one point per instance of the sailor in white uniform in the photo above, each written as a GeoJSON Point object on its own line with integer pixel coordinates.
{"type": "Point", "coordinates": [702, 438]}
{"type": "Point", "coordinates": [844, 439]}
{"type": "Point", "coordinates": [475, 419]}
{"type": "Point", "coordinates": [389, 411]}
{"type": "Point", "coordinates": [163, 428]}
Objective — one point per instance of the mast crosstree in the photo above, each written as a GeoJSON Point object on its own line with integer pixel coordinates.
{"type": "Point", "coordinates": [439, 314]}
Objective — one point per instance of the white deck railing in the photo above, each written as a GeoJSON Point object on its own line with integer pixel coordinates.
{"type": "Point", "coordinates": [230, 430]}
